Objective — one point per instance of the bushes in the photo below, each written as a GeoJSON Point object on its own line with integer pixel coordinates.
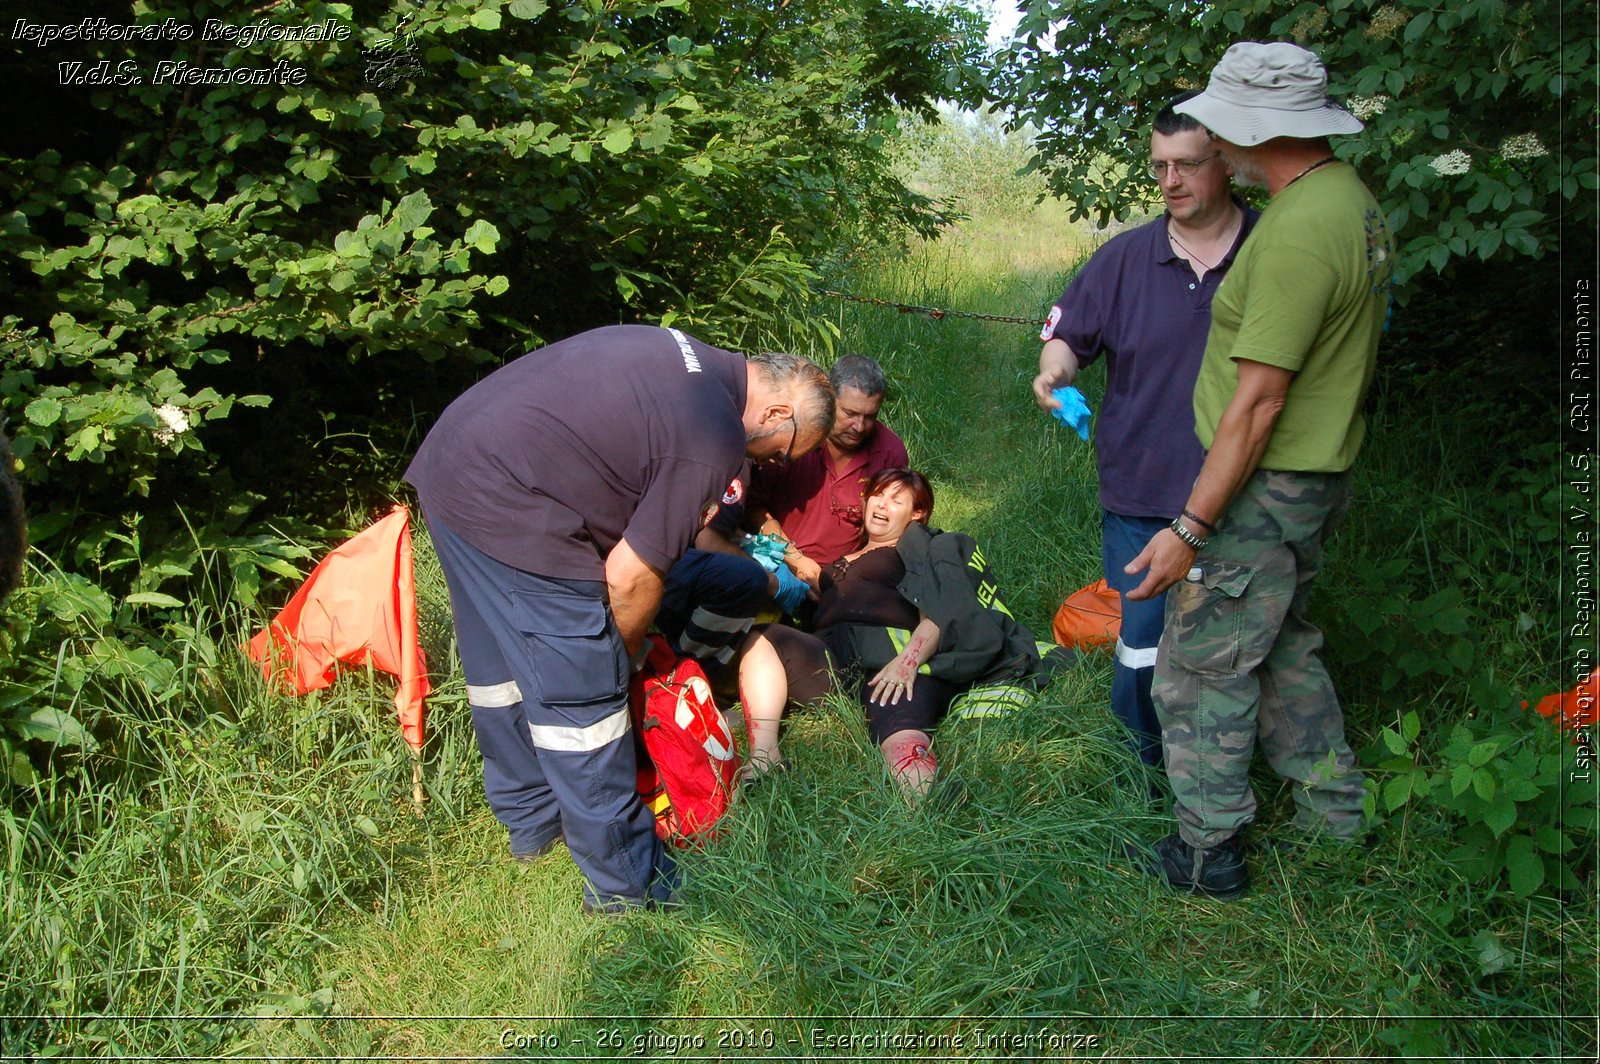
{"type": "Point", "coordinates": [438, 185]}
{"type": "Point", "coordinates": [969, 161]}
{"type": "Point", "coordinates": [1480, 114]}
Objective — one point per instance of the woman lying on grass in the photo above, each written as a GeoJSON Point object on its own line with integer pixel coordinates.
{"type": "Point", "coordinates": [911, 621]}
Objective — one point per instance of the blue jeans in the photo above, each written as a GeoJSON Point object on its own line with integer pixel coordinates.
{"type": "Point", "coordinates": [1121, 538]}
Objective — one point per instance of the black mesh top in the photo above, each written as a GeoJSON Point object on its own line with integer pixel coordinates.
{"type": "Point", "coordinates": [863, 592]}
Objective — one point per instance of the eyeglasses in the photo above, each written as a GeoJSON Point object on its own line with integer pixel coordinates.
{"type": "Point", "coordinates": [1184, 167]}
{"type": "Point", "coordinates": [794, 435]}
{"type": "Point", "coordinates": [851, 514]}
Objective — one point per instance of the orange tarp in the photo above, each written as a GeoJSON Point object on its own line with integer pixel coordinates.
{"type": "Point", "coordinates": [358, 607]}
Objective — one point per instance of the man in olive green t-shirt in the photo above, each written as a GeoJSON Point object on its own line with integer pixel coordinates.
{"type": "Point", "coordinates": [1293, 342]}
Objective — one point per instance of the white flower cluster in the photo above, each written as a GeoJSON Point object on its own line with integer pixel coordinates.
{"type": "Point", "coordinates": [1523, 146]}
{"type": "Point", "coordinates": [173, 422]}
{"type": "Point", "coordinates": [1451, 163]}
{"type": "Point", "coordinates": [1134, 37]}
{"type": "Point", "coordinates": [1386, 21]}
{"type": "Point", "coordinates": [1367, 107]}
{"type": "Point", "coordinates": [1310, 25]}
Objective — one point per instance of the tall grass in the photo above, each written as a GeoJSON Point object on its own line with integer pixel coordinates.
{"type": "Point", "coordinates": [186, 867]}
{"type": "Point", "coordinates": [1005, 905]}
{"type": "Point", "coordinates": [248, 878]}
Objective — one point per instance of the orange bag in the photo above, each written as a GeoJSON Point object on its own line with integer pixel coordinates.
{"type": "Point", "coordinates": [1091, 616]}
{"type": "Point", "coordinates": [1573, 710]}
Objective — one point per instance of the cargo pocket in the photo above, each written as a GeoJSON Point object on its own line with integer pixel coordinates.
{"type": "Point", "coordinates": [1208, 618]}
{"type": "Point", "coordinates": [577, 653]}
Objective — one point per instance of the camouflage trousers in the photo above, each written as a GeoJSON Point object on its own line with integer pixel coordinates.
{"type": "Point", "coordinates": [1238, 666]}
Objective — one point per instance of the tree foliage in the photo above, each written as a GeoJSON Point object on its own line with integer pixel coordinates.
{"type": "Point", "coordinates": [1480, 135]}
{"type": "Point", "coordinates": [970, 162]}
{"type": "Point", "coordinates": [428, 186]}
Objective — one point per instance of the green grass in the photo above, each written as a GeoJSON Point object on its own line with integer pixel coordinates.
{"type": "Point", "coordinates": [263, 863]}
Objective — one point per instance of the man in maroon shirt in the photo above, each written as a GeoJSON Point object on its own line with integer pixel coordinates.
{"type": "Point", "coordinates": [814, 502]}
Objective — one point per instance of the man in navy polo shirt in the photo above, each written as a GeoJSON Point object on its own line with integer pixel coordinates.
{"type": "Point", "coordinates": [558, 491]}
{"type": "Point", "coordinates": [1144, 302]}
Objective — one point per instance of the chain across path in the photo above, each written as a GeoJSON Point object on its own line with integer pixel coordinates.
{"type": "Point", "coordinates": [936, 313]}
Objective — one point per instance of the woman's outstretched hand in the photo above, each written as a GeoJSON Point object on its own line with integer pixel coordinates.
{"type": "Point", "coordinates": [894, 680]}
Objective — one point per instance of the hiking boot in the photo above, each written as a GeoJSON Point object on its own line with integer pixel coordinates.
{"type": "Point", "coordinates": [620, 906]}
{"type": "Point", "coordinates": [1219, 872]}
{"type": "Point", "coordinates": [612, 908]}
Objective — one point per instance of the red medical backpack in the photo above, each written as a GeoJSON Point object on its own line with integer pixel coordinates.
{"type": "Point", "coordinates": [687, 759]}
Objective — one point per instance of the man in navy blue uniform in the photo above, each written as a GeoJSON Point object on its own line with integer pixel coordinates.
{"type": "Point", "coordinates": [13, 524]}
{"type": "Point", "coordinates": [1144, 302]}
{"type": "Point", "coordinates": [558, 491]}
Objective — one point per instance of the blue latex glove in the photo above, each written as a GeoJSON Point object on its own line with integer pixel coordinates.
{"type": "Point", "coordinates": [791, 590]}
{"type": "Point", "coordinates": [1074, 409]}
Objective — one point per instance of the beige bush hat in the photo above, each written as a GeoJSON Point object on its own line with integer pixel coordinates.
{"type": "Point", "coordinates": [1261, 91]}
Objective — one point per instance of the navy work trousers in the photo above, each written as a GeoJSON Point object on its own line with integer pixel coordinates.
{"type": "Point", "coordinates": [709, 603]}
{"type": "Point", "coordinates": [547, 680]}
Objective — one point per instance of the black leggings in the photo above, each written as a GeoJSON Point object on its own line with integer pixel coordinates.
{"type": "Point", "coordinates": [805, 663]}
{"type": "Point", "coordinates": [930, 698]}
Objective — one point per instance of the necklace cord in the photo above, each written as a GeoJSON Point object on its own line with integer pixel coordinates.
{"type": "Point", "coordinates": [1316, 165]}
{"type": "Point", "coordinates": [1208, 267]}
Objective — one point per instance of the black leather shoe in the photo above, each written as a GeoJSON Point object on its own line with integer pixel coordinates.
{"type": "Point", "coordinates": [619, 906]}
{"type": "Point", "coordinates": [538, 851]}
{"type": "Point", "coordinates": [1219, 872]}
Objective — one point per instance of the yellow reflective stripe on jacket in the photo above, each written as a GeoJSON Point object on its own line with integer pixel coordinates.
{"type": "Point", "coordinates": [900, 638]}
